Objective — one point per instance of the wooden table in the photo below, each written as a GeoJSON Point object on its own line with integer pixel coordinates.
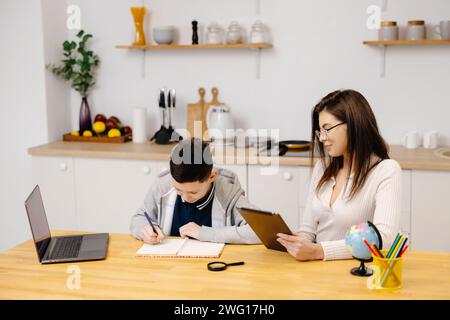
{"type": "Point", "coordinates": [267, 274]}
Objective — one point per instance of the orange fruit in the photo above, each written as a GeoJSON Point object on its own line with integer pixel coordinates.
{"type": "Point", "coordinates": [87, 133]}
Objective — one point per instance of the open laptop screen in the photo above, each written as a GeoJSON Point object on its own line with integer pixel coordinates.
{"type": "Point", "coordinates": [38, 221]}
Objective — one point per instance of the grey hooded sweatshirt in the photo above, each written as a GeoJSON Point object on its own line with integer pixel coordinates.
{"type": "Point", "coordinates": [228, 226]}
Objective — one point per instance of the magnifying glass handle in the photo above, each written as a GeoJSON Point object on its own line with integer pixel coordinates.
{"type": "Point", "coordinates": [240, 263]}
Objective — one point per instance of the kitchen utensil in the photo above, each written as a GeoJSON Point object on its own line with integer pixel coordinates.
{"type": "Point", "coordinates": [220, 125]}
{"type": "Point", "coordinates": [292, 146]}
{"type": "Point", "coordinates": [411, 140]}
{"type": "Point", "coordinates": [430, 139]}
{"type": "Point", "coordinates": [195, 116]}
{"type": "Point", "coordinates": [171, 99]}
{"type": "Point", "coordinates": [166, 134]}
{"type": "Point", "coordinates": [194, 32]}
{"type": "Point", "coordinates": [443, 29]}
{"type": "Point", "coordinates": [214, 102]}
{"type": "Point", "coordinates": [164, 35]}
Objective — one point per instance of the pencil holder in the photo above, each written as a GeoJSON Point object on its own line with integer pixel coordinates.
{"type": "Point", "coordinates": [387, 273]}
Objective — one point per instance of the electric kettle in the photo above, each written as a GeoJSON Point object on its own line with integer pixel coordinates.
{"type": "Point", "coordinates": [220, 125]}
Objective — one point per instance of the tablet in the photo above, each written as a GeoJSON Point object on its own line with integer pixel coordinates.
{"type": "Point", "coordinates": [266, 225]}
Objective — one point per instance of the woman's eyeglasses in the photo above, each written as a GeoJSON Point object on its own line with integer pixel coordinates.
{"type": "Point", "coordinates": [326, 131]}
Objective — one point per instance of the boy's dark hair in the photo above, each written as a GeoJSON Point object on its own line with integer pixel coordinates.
{"type": "Point", "coordinates": [191, 161]}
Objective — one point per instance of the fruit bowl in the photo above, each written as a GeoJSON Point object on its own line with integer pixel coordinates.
{"type": "Point", "coordinates": [121, 139]}
{"type": "Point", "coordinates": [107, 130]}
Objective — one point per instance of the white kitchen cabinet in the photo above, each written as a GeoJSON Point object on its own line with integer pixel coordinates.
{"type": "Point", "coordinates": [430, 208]}
{"type": "Point", "coordinates": [405, 222]}
{"type": "Point", "coordinates": [279, 192]}
{"type": "Point", "coordinates": [108, 192]}
{"type": "Point", "coordinates": [55, 177]}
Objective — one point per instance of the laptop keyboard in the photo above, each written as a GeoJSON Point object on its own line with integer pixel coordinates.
{"type": "Point", "coordinates": [67, 247]}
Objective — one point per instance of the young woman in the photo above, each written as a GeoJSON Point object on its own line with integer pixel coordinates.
{"type": "Point", "coordinates": [354, 181]}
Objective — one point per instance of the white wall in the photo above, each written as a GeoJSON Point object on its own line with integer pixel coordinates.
{"type": "Point", "coordinates": [22, 111]}
{"type": "Point", "coordinates": [317, 48]}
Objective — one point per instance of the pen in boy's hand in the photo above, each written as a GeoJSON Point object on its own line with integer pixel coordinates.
{"type": "Point", "coordinates": [151, 223]}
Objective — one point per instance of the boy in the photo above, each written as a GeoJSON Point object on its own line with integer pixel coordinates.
{"type": "Point", "coordinates": [194, 200]}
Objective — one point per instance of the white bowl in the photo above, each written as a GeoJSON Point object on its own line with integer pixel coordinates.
{"type": "Point", "coordinates": [164, 35]}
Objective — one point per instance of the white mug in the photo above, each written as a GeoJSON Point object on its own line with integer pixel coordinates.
{"type": "Point", "coordinates": [412, 140]}
{"type": "Point", "coordinates": [430, 139]}
{"type": "Point", "coordinates": [443, 29]}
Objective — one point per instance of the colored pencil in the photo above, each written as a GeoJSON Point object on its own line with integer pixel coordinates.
{"type": "Point", "coordinates": [393, 245]}
{"type": "Point", "coordinates": [370, 248]}
{"type": "Point", "coordinates": [378, 251]}
{"type": "Point", "coordinates": [404, 249]}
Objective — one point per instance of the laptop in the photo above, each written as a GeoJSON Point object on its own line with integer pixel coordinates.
{"type": "Point", "coordinates": [61, 249]}
{"type": "Point", "coordinates": [266, 225]}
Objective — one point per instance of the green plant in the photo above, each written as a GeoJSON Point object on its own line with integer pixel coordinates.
{"type": "Point", "coordinates": [78, 65]}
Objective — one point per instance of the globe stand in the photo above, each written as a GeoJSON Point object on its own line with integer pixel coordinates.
{"type": "Point", "coordinates": [362, 270]}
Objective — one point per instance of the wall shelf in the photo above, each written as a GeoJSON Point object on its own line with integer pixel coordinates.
{"type": "Point", "coordinates": [406, 42]}
{"type": "Point", "coordinates": [196, 47]}
{"type": "Point", "coordinates": [253, 46]}
{"type": "Point", "coordinates": [384, 44]}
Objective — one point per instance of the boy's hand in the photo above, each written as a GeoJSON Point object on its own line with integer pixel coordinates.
{"type": "Point", "coordinates": [190, 229]}
{"type": "Point", "coordinates": [150, 237]}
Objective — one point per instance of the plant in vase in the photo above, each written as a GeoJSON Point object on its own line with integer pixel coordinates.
{"type": "Point", "coordinates": [78, 68]}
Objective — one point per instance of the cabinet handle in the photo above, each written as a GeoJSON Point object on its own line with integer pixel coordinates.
{"type": "Point", "coordinates": [146, 170]}
{"type": "Point", "coordinates": [63, 166]}
{"type": "Point", "coordinates": [287, 176]}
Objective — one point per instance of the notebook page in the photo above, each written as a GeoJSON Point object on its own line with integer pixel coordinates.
{"type": "Point", "coordinates": [195, 248]}
{"type": "Point", "coordinates": [167, 247]}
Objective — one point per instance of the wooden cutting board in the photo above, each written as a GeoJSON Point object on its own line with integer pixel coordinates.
{"type": "Point", "coordinates": [195, 113]}
{"type": "Point", "coordinates": [214, 102]}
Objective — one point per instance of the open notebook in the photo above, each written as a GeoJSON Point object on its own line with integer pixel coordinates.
{"type": "Point", "coordinates": [183, 248]}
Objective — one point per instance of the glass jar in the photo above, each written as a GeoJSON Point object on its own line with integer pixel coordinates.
{"type": "Point", "coordinates": [214, 34]}
{"type": "Point", "coordinates": [235, 34]}
{"type": "Point", "coordinates": [259, 33]}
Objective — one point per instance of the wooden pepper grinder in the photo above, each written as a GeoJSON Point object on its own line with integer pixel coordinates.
{"type": "Point", "coordinates": [195, 32]}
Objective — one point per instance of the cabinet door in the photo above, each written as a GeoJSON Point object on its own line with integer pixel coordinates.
{"type": "Point", "coordinates": [277, 192]}
{"type": "Point", "coordinates": [304, 181]}
{"type": "Point", "coordinates": [430, 219]}
{"type": "Point", "coordinates": [56, 181]}
{"type": "Point", "coordinates": [405, 222]}
{"type": "Point", "coordinates": [110, 191]}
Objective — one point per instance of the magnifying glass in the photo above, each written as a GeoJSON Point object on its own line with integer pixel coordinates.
{"type": "Point", "coordinates": [220, 266]}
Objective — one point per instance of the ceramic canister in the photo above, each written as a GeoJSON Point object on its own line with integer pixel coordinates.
{"type": "Point", "coordinates": [388, 31]}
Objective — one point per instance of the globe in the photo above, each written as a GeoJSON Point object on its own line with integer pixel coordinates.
{"type": "Point", "coordinates": [354, 240]}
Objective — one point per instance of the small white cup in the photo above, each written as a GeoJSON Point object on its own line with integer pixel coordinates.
{"type": "Point", "coordinates": [430, 140]}
{"type": "Point", "coordinates": [412, 140]}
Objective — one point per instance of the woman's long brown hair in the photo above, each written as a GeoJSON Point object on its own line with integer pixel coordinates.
{"type": "Point", "coordinates": [363, 137]}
